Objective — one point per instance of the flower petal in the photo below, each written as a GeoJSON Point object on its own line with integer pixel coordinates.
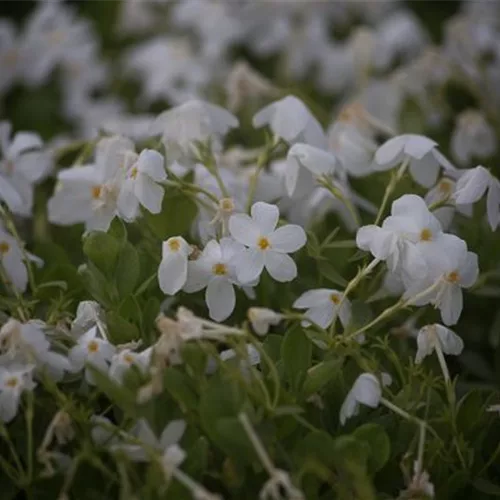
{"type": "Point", "coordinates": [151, 163]}
{"type": "Point", "coordinates": [313, 298]}
{"type": "Point", "coordinates": [220, 298]}
{"type": "Point", "coordinates": [280, 266]}
{"type": "Point", "coordinates": [172, 273]}
{"type": "Point", "coordinates": [244, 230]}
{"type": "Point", "coordinates": [288, 239]}
{"type": "Point", "coordinates": [265, 217]}
{"type": "Point", "coordinates": [249, 265]}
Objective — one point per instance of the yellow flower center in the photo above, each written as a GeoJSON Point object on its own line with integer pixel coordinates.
{"type": "Point", "coordinates": [93, 346]}
{"type": "Point", "coordinates": [263, 243]}
{"type": "Point", "coordinates": [444, 187]}
{"type": "Point", "coordinates": [96, 192]}
{"type": "Point", "coordinates": [4, 247]}
{"type": "Point", "coordinates": [453, 277]}
{"type": "Point", "coordinates": [134, 172]}
{"type": "Point", "coordinates": [219, 269]}
{"type": "Point", "coordinates": [334, 297]}
{"type": "Point", "coordinates": [426, 235]}
{"type": "Point", "coordinates": [226, 205]}
{"type": "Point", "coordinates": [128, 358]}
{"type": "Point", "coordinates": [174, 245]}
{"type": "Point", "coordinates": [12, 382]}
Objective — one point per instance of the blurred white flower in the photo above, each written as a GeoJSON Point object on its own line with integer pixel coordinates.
{"type": "Point", "coordinates": [267, 246]}
{"type": "Point", "coordinates": [290, 120]}
{"type": "Point", "coordinates": [123, 360]}
{"type": "Point", "coordinates": [11, 58]}
{"type": "Point", "coordinates": [88, 314]}
{"type": "Point", "coordinates": [365, 391]}
{"type": "Point", "coordinates": [13, 382]}
{"type": "Point", "coordinates": [172, 272]}
{"type": "Point", "coordinates": [430, 336]}
{"type": "Point", "coordinates": [262, 319]}
{"type": "Point", "coordinates": [12, 260]}
{"type": "Point", "coordinates": [323, 305]}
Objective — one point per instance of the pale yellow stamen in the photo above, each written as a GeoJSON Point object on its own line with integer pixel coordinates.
{"type": "Point", "coordinates": [93, 346]}
{"type": "Point", "coordinates": [134, 172]}
{"type": "Point", "coordinates": [4, 247]}
{"type": "Point", "coordinates": [128, 358]}
{"type": "Point", "coordinates": [174, 245]}
{"type": "Point", "coordinates": [219, 269]}
{"type": "Point", "coordinates": [263, 243]}
{"type": "Point", "coordinates": [453, 277]}
{"type": "Point", "coordinates": [444, 187]}
{"type": "Point", "coordinates": [335, 298]}
{"type": "Point", "coordinates": [96, 192]}
{"type": "Point", "coordinates": [12, 382]}
{"type": "Point", "coordinates": [426, 235]}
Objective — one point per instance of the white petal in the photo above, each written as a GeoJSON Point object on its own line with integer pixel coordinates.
{"type": "Point", "coordinates": [15, 267]}
{"type": "Point", "coordinates": [149, 193]}
{"type": "Point", "coordinates": [321, 315]}
{"type": "Point", "coordinates": [172, 273]}
{"type": "Point", "coordinates": [313, 298]}
{"type": "Point", "coordinates": [220, 299]}
{"type": "Point", "coordinates": [128, 204]}
{"type": "Point", "coordinates": [349, 408]}
{"type": "Point", "coordinates": [367, 390]}
{"type": "Point", "coordinates": [244, 229]}
{"type": "Point", "coordinates": [288, 239]}
{"type": "Point", "coordinates": [265, 217]}
{"type": "Point", "coordinates": [417, 146]}
{"type": "Point", "coordinates": [424, 343]}
{"type": "Point", "coordinates": [23, 141]}
{"type": "Point", "coordinates": [198, 276]}
{"type": "Point", "coordinates": [451, 343]}
{"type": "Point", "coordinates": [249, 265]}
{"type": "Point", "coordinates": [451, 304]}
{"type": "Point", "coordinates": [472, 185]}
{"type": "Point", "coordinates": [469, 271]}
{"type": "Point", "coordinates": [9, 194]}
{"type": "Point", "coordinates": [8, 405]}
{"type": "Point", "coordinates": [280, 266]}
{"type": "Point", "coordinates": [172, 433]}
{"type": "Point", "coordinates": [425, 170]}
{"type": "Point", "coordinates": [390, 153]}
{"type": "Point", "coordinates": [151, 163]}
{"type": "Point", "coordinates": [291, 174]}
{"type": "Point", "coordinates": [493, 204]}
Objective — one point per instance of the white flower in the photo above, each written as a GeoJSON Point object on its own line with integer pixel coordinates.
{"type": "Point", "coordinates": [471, 187]}
{"type": "Point", "coordinates": [122, 361]}
{"type": "Point", "coordinates": [403, 236]}
{"type": "Point", "coordinates": [430, 336]}
{"type": "Point", "coordinates": [172, 273]}
{"type": "Point", "coordinates": [215, 269]}
{"type": "Point", "coordinates": [267, 246]}
{"type": "Point", "coordinates": [290, 119]}
{"type": "Point", "coordinates": [92, 350]}
{"type": "Point", "coordinates": [13, 381]}
{"type": "Point", "coordinates": [323, 305]}
{"type": "Point", "coordinates": [10, 55]}
{"type": "Point", "coordinates": [144, 172]}
{"type": "Point", "coordinates": [251, 358]}
{"type": "Point", "coordinates": [316, 161]}
{"type": "Point", "coordinates": [28, 343]}
{"type": "Point", "coordinates": [90, 193]}
{"type": "Point", "coordinates": [262, 319]}
{"type": "Point", "coordinates": [473, 137]}
{"type": "Point", "coordinates": [22, 164]}
{"type": "Point", "coordinates": [366, 391]}
{"type": "Point", "coordinates": [450, 268]}
{"type": "Point", "coordinates": [421, 152]}
{"type": "Point", "coordinates": [194, 121]}
{"type": "Point", "coordinates": [88, 314]}
{"type": "Point", "coordinates": [12, 260]}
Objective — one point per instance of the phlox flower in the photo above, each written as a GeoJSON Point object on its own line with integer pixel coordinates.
{"type": "Point", "coordinates": [367, 391]}
{"type": "Point", "coordinates": [290, 120]}
{"type": "Point", "coordinates": [23, 164]}
{"type": "Point", "coordinates": [88, 314]}
{"type": "Point", "coordinates": [144, 172]}
{"type": "Point", "coordinates": [12, 260]}
{"type": "Point", "coordinates": [307, 161]}
{"type": "Point", "coordinates": [13, 382]}
{"type": "Point", "coordinates": [92, 350]}
{"type": "Point", "coordinates": [430, 337]}
{"type": "Point", "coordinates": [172, 272]}
{"type": "Point", "coordinates": [451, 267]}
{"type": "Point", "coordinates": [421, 152]}
{"type": "Point", "coordinates": [90, 193]}
{"type": "Point", "coordinates": [123, 360]}
{"type": "Point", "coordinates": [11, 60]}
{"type": "Point", "coordinates": [323, 305]}
{"type": "Point", "coordinates": [266, 246]}
{"type": "Point", "coordinates": [215, 270]}
{"type": "Point", "coordinates": [262, 318]}
{"type": "Point", "coordinates": [472, 186]}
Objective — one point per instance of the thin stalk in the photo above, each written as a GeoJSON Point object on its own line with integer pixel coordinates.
{"type": "Point", "coordinates": [29, 434]}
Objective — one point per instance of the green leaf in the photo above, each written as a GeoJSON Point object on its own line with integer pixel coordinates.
{"type": "Point", "coordinates": [177, 213]}
{"type": "Point", "coordinates": [296, 351]}
{"type": "Point", "coordinates": [127, 270]}
{"type": "Point", "coordinates": [97, 284]}
{"type": "Point", "coordinates": [487, 487]}
{"type": "Point", "coordinates": [102, 249]}
{"type": "Point", "coordinates": [321, 374]}
{"type": "Point", "coordinates": [378, 441]}
{"type": "Point", "coordinates": [195, 359]}
{"type": "Point", "coordinates": [328, 272]}
{"type": "Point", "coordinates": [179, 387]}
{"type": "Point", "coordinates": [120, 330]}
{"type": "Point", "coordinates": [232, 438]}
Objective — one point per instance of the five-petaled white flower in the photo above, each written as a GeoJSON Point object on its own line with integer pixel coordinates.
{"type": "Point", "coordinates": [435, 336]}
{"type": "Point", "coordinates": [290, 119]}
{"type": "Point", "coordinates": [122, 361]}
{"type": "Point", "coordinates": [13, 381]}
{"type": "Point", "coordinates": [315, 162]}
{"type": "Point", "coordinates": [471, 187]}
{"type": "Point", "coordinates": [367, 391]}
{"type": "Point", "coordinates": [172, 273]}
{"type": "Point", "coordinates": [215, 269]}
{"type": "Point", "coordinates": [323, 305]}
{"type": "Point", "coordinates": [93, 350]}
{"type": "Point", "coordinates": [144, 172]}
{"type": "Point", "coordinates": [421, 153]}
{"type": "Point", "coordinates": [267, 246]}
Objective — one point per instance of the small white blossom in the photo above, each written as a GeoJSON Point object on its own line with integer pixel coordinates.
{"type": "Point", "coordinates": [122, 361]}
{"type": "Point", "coordinates": [92, 350]}
{"type": "Point", "coordinates": [421, 152]}
{"type": "Point", "coordinates": [472, 186]}
{"type": "Point", "coordinates": [323, 305]}
{"type": "Point", "coordinates": [12, 260]}
{"type": "Point", "coordinates": [430, 336]}
{"type": "Point", "coordinates": [365, 391]}
{"type": "Point", "coordinates": [262, 319]}
{"type": "Point", "coordinates": [315, 161]}
{"type": "Point", "coordinates": [290, 120]}
{"type": "Point", "coordinates": [88, 314]}
{"type": "Point", "coordinates": [215, 269]}
{"type": "Point", "coordinates": [141, 185]}
{"type": "Point", "coordinates": [13, 382]}
{"type": "Point", "coordinates": [172, 273]}
{"type": "Point", "coordinates": [267, 246]}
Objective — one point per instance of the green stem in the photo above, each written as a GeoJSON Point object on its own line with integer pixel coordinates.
{"type": "Point", "coordinates": [29, 433]}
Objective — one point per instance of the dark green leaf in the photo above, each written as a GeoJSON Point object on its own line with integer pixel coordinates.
{"type": "Point", "coordinates": [296, 352]}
